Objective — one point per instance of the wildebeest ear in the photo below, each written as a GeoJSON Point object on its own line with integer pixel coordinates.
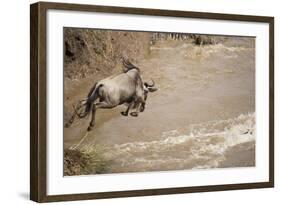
{"type": "Point", "coordinates": [152, 89]}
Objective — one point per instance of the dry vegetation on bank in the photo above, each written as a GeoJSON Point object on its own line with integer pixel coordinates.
{"type": "Point", "coordinates": [83, 162]}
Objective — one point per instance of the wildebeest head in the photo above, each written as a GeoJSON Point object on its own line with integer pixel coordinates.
{"type": "Point", "coordinates": [149, 87]}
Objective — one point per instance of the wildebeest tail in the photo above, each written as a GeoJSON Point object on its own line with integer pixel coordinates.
{"type": "Point", "coordinates": [85, 106]}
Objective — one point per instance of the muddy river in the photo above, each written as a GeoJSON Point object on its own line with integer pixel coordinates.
{"type": "Point", "coordinates": [202, 116]}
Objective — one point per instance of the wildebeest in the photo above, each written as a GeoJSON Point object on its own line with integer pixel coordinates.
{"type": "Point", "coordinates": [125, 88]}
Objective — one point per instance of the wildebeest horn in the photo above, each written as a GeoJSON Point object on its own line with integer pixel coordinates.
{"type": "Point", "coordinates": [150, 85]}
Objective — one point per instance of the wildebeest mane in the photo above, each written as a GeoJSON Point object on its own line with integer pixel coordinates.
{"type": "Point", "coordinates": [127, 64]}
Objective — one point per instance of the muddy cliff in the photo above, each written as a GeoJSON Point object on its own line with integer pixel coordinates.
{"type": "Point", "coordinates": [88, 51]}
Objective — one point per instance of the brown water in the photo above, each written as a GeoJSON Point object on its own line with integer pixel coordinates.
{"type": "Point", "coordinates": [205, 106]}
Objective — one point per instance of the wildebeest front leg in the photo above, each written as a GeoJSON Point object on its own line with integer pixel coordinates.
{"type": "Point", "coordinates": [142, 106]}
{"type": "Point", "coordinates": [137, 108]}
{"type": "Point", "coordinates": [96, 106]}
{"type": "Point", "coordinates": [125, 113]}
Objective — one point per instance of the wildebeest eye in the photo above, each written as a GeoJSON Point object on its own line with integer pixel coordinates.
{"type": "Point", "coordinates": [152, 89]}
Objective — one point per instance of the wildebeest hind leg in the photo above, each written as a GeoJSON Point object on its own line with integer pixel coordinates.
{"type": "Point", "coordinates": [93, 119]}
{"type": "Point", "coordinates": [96, 106]}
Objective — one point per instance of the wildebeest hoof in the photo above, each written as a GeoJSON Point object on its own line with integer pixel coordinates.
{"type": "Point", "coordinates": [124, 113]}
{"type": "Point", "coordinates": [142, 109]}
{"type": "Point", "coordinates": [90, 128]}
{"type": "Point", "coordinates": [69, 123]}
{"type": "Point", "coordinates": [134, 114]}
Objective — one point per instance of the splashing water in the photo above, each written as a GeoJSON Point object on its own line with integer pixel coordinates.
{"type": "Point", "coordinates": [204, 146]}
